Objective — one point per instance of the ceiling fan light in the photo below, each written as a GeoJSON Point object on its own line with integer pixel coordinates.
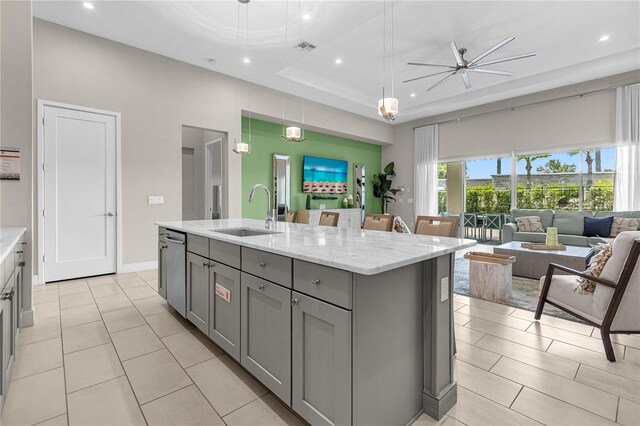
{"type": "Point", "coordinates": [293, 134]}
{"type": "Point", "coordinates": [388, 108]}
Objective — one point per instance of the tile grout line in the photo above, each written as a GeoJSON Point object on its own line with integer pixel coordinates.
{"type": "Point", "coordinates": [64, 367]}
{"type": "Point", "coordinates": [494, 402]}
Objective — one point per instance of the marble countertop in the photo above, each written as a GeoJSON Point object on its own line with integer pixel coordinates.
{"type": "Point", "coordinates": [359, 251]}
{"type": "Point", "coordinates": [9, 237]}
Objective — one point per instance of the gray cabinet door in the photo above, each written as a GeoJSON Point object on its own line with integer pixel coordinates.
{"type": "Point", "coordinates": [321, 361]}
{"type": "Point", "coordinates": [266, 334]}
{"type": "Point", "coordinates": [198, 291]}
{"type": "Point", "coordinates": [162, 268]}
{"type": "Point", "coordinates": [224, 308]}
{"type": "Point", "coordinates": [9, 330]}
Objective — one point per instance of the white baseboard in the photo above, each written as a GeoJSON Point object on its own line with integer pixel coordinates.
{"type": "Point", "coordinates": [27, 318]}
{"type": "Point", "coordinates": [135, 267]}
{"type": "Point", "coordinates": [35, 280]}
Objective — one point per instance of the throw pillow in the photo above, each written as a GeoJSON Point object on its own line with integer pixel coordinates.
{"type": "Point", "coordinates": [597, 226]}
{"type": "Point", "coordinates": [621, 224]}
{"type": "Point", "coordinates": [596, 265]}
{"type": "Point", "coordinates": [529, 224]}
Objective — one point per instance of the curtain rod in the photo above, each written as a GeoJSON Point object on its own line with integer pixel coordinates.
{"type": "Point", "coordinates": [564, 98]}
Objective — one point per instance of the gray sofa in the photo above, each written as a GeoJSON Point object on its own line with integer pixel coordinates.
{"type": "Point", "coordinates": [570, 226]}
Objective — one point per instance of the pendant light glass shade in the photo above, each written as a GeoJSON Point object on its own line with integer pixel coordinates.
{"type": "Point", "coordinates": [293, 134]}
{"type": "Point", "coordinates": [388, 108]}
{"type": "Point", "coordinates": [242, 148]}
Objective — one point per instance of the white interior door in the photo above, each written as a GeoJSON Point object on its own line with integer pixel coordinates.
{"type": "Point", "coordinates": [80, 194]}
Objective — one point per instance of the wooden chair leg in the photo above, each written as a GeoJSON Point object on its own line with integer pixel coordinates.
{"type": "Point", "coordinates": [608, 347]}
{"type": "Point", "coordinates": [544, 292]}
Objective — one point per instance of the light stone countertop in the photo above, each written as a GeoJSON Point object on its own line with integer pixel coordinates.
{"type": "Point", "coordinates": [9, 237]}
{"type": "Point", "coordinates": [359, 251]}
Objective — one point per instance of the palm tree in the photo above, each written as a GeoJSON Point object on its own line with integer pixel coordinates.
{"type": "Point", "coordinates": [499, 166]}
{"type": "Point", "coordinates": [598, 161]}
{"type": "Point", "coordinates": [529, 159]}
{"type": "Point", "coordinates": [589, 160]}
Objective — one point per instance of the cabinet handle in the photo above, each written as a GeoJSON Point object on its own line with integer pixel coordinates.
{"type": "Point", "coordinates": [205, 265]}
{"type": "Point", "coordinates": [316, 282]}
{"type": "Point", "coordinates": [7, 296]}
{"type": "Point", "coordinates": [261, 287]}
{"type": "Point", "coordinates": [262, 264]}
{"type": "Point", "coordinates": [23, 243]}
{"type": "Point", "coordinates": [212, 265]}
{"type": "Point", "coordinates": [22, 263]}
{"type": "Point", "coordinates": [164, 246]}
{"type": "Point", "coordinates": [19, 251]}
{"type": "Point", "coordinates": [294, 302]}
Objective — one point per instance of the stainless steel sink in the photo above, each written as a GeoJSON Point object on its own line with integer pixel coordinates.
{"type": "Point", "coordinates": [244, 232]}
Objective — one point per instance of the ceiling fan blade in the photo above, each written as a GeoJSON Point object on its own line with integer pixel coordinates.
{"type": "Point", "coordinates": [465, 79]}
{"type": "Point", "coordinates": [425, 76]}
{"type": "Point", "coordinates": [430, 65]}
{"type": "Point", "coordinates": [440, 82]}
{"type": "Point", "coordinates": [511, 58]}
{"type": "Point", "coordinates": [491, 50]}
{"type": "Point", "coordinates": [505, 73]}
{"type": "Point", "coordinates": [456, 54]}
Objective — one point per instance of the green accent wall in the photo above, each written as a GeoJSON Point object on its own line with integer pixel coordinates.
{"type": "Point", "coordinates": [266, 140]}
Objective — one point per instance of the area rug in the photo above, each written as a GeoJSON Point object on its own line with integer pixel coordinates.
{"type": "Point", "coordinates": [524, 293]}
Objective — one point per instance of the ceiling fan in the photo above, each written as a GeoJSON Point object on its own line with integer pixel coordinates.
{"type": "Point", "coordinates": [463, 66]}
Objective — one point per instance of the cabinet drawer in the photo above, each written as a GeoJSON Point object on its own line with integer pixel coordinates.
{"type": "Point", "coordinates": [269, 266]}
{"type": "Point", "coordinates": [327, 284]}
{"type": "Point", "coordinates": [226, 253]}
{"type": "Point", "coordinates": [198, 245]}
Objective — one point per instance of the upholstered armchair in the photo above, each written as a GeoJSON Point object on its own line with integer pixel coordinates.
{"type": "Point", "coordinates": [614, 305]}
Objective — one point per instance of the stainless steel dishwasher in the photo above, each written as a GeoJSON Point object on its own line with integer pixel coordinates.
{"type": "Point", "coordinates": [175, 271]}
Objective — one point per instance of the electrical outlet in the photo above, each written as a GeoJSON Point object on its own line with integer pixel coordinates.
{"type": "Point", "coordinates": [444, 289]}
{"type": "Point", "coordinates": [156, 199]}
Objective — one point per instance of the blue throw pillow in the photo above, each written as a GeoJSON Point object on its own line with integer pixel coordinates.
{"type": "Point", "coordinates": [597, 226]}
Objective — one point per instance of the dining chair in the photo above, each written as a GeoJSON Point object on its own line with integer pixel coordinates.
{"type": "Point", "coordinates": [491, 221]}
{"type": "Point", "coordinates": [613, 305]}
{"type": "Point", "coordinates": [436, 226]}
{"type": "Point", "coordinates": [290, 216]}
{"type": "Point", "coordinates": [470, 221]}
{"type": "Point", "coordinates": [329, 219]}
{"type": "Point", "coordinates": [378, 222]}
{"type": "Point", "coordinates": [302, 216]}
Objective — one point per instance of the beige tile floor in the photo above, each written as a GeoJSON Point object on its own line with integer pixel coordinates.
{"type": "Point", "coordinates": [109, 351]}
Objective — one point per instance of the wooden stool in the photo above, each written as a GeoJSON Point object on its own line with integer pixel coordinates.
{"type": "Point", "coordinates": [490, 275]}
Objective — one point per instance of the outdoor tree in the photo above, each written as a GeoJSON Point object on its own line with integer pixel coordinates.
{"type": "Point", "coordinates": [528, 160]}
{"type": "Point", "coordinates": [555, 166]}
{"type": "Point", "coordinates": [442, 170]}
{"type": "Point", "coordinates": [589, 160]}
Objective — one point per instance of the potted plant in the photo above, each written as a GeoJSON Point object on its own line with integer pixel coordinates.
{"type": "Point", "coordinates": [382, 187]}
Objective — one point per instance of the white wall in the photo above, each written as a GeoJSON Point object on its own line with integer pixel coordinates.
{"type": "Point", "coordinates": [156, 97]}
{"type": "Point", "coordinates": [549, 126]}
{"type": "Point", "coordinates": [16, 123]}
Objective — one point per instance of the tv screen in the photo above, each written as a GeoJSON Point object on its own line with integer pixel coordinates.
{"type": "Point", "coordinates": [324, 175]}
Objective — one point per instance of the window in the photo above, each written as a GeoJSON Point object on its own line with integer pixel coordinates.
{"type": "Point", "coordinates": [488, 185]}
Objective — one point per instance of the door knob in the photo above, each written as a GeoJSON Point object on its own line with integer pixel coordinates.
{"type": "Point", "coordinates": [316, 282]}
{"type": "Point", "coordinates": [261, 287]}
{"type": "Point", "coordinates": [262, 264]}
{"type": "Point", "coordinates": [108, 214]}
{"type": "Point", "coordinates": [294, 302]}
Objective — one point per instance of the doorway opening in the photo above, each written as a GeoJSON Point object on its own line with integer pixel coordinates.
{"type": "Point", "coordinates": [204, 183]}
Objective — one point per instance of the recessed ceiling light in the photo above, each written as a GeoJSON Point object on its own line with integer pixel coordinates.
{"type": "Point", "coordinates": [88, 5]}
{"type": "Point", "coordinates": [604, 38]}
{"type": "Point", "coordinates": [338, 61]}
{"type": "Point", "coordinates": [246, 60]}
{"type": "Point", "coordinates": [306, 16]}
{"type": "Point", "coordinates": [413, 95]}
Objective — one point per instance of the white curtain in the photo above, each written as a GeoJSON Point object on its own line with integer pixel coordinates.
{"type": "Point", "coordinates": [425, 166]}
{"type": "Point", "coordinates": [627, 185]}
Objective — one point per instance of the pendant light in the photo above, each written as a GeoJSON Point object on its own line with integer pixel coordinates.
{"type": "Point", "coordinates": [292, 133]}
{"type": "Point", "coordinates": [242, 148]}
{"type": "Point", "coordinates": [387, 107]}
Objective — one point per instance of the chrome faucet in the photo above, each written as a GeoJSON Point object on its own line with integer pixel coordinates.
{"type": "Point", "coordinates": [268, 221]}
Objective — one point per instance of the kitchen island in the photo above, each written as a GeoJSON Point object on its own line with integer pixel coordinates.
{"type": "Point", "coordinates": [343, 325]}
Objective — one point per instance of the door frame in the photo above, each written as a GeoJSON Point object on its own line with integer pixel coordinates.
{"type": "Point", "coordinates": [207, 175]}
{"type": "Point", "coordinates": [42, 103]}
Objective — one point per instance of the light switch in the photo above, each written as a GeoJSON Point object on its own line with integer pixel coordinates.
{"type": "Point", "coordinates": [156, 199]}
{"type": "Point", "coordinates": [444, 289]}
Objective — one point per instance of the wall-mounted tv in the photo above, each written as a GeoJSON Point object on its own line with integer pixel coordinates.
{"type": "Point", "coordinates": [324, 175]}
